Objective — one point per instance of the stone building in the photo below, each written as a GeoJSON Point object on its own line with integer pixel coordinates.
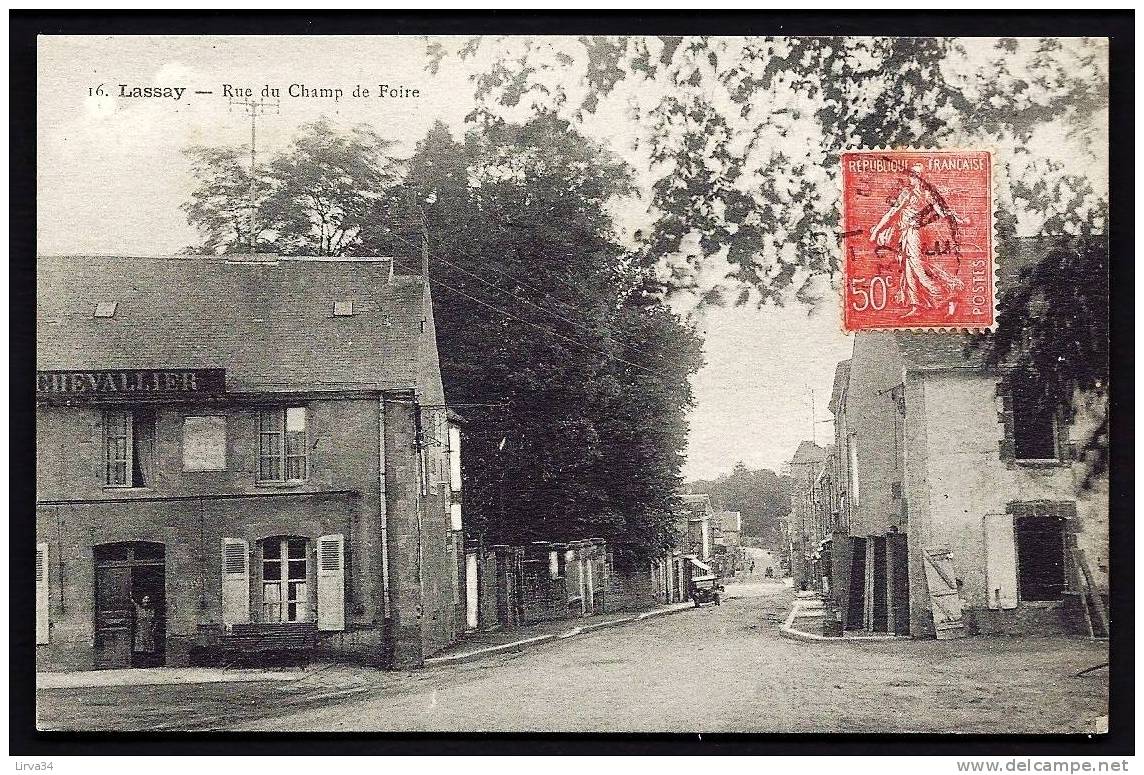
{"type": "Point", "coordinates": [241, 454]}
{"type": "Point", "coordinates": [942, 462]}
{"type": "Point", "coordinates": [799, 525]}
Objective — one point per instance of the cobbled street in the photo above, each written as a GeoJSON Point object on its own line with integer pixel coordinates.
{"type": "Point", "coordinates": [714, 669]}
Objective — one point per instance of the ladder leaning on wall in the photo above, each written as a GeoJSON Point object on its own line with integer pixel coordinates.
{"type": "Point", "coordinates": [1092, 603]}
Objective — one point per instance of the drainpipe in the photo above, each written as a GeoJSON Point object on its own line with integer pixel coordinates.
{"type": "Point", "coordinates": [386, 606]}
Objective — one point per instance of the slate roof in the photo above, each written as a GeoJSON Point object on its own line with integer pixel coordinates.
{"type": "Point", "coordinates": [269, 323]}
{"type": "Point", "coordinates": [922, 350]}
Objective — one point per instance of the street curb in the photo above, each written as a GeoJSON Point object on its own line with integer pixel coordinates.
{"type": "Point", "coordinates": [520, 645]}
{"type": "Point", "coordinates": [488, 651]}
{"type": "Point", "coordinates": [787, 630]}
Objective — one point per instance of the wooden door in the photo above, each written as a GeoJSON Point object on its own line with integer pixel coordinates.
{"type": "Point", "coordinates": [945, 599]}
{"type": "Point", "coordinates": [114, 617]}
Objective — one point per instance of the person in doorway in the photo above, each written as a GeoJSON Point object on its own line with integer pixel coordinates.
{"type": "Point", "coordinates": [145, 626]}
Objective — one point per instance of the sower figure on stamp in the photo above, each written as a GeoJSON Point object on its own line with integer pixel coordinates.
{"type": "Point", "coordinates": [922, 283]}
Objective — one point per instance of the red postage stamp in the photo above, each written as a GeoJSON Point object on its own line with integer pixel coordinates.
{"type": "Point", "coordinates": [917, 239]}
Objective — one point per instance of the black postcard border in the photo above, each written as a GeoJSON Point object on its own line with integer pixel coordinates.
{"type": "Point", "coordinates": [24, 740]}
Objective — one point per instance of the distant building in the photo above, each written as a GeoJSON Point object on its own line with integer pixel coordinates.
{"type": "Point", "coordinates": [728, 528]}
{"type": "Point", "coordinates": [799, 526]}
{"type": "Point", "coordinates": [692, 556]}
{"type": "Point", "coordinates": [700, 535]}
{"type": "Point", "coordinates": [241, 453]}
{"type": "Point", "coordinates": [728, 541]}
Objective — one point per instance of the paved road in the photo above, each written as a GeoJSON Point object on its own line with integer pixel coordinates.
{"type": "Point", "coordinates": [713, 669]}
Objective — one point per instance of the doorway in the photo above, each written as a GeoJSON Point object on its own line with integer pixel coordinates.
{"type": "Point", "coordinates": [855, 609]}
{"type": "Point", "coordinates": [130, 605]}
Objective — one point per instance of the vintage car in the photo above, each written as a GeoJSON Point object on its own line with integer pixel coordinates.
{"type": "Point", "coordinates": [705, 589]}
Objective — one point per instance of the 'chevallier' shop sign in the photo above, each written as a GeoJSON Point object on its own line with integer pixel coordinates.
{"type": "Point", "coordinates": [130, 383]}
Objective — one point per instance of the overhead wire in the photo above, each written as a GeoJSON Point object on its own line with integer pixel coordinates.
{"type": "Point", "coordinates": [516, 279]}
{"type": "Point", "coordinates": [556, 315]}
{"type": "Point", "coordinates": [543, 327]}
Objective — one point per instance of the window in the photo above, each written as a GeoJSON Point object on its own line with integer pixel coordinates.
{"type": "Point", "coordinates": [1034, 430]}
{"type": "Point", "coordinates": [343, 309]}
{"type": "Point", "coordinates": [285, 568]}
{"type": "Point", "coordinates": [129, 448]}
{"type": "Point", "coordinates": [282, 444]}
{"type": "Point", "coordinates": [1030, 432]}
{"type": "Point", "coordinates": [1040, 557]}
{"type": "Point", "coordinates": [204, 443]}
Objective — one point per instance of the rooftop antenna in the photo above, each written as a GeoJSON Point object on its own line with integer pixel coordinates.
{"type": "Point", "coordinates": [255, 108]}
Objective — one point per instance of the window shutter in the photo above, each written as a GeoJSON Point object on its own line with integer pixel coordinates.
{"type": "Point", "coordinates": [1000, 562]}
{"type": "Point", "coordinates": [42, 594]}
{"type": "Point", "coordinates": [235, 581]}
{"type": "Point", "coordinates": [331, 583]}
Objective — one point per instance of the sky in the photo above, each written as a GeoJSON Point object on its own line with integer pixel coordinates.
{"type": "Point", "coordinates": [112, 177]}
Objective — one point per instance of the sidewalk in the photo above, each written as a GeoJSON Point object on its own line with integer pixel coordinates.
{"type": "Point", "coordinates": [807, 620]}
{"type": "Point", "coordinates": [161, 676]}
{"type": "Point", "coordinates": [485, 644]}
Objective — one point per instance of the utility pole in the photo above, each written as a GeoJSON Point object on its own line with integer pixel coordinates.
{"type": "Point", "coordinates": [255, 108]}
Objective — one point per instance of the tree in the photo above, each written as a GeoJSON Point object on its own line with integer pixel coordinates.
{"type": "Point", "coordinates": [744, 137]}
{"type": "Point", "coordinates": [1052, 330]}
{"type": "Point", "coordinates": [313, 198]}
{"type": "Point", "coordinates": [220, 206]}
{"type": "Point", "coordinates": [555, 344]}
{"type": "Point", "coordinates": [744, 134]}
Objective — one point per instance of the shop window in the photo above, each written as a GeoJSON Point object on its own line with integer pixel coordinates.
{"type": "Point", "coordinates": [1040, 557]}
{"type": "Point", "coordinates": [129, 444]}
{"type": "Point", "coordinates": [285, 576]}
{"type": "Point", "coordinates": [282, 444]}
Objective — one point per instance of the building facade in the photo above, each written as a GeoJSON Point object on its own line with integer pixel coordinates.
{"type": "Point", "coordinates": [957, 505]}
{"type": "Point", "coordinates": [799, 527]}
{"type": "Point", "coordinates": [998, 485]}
{"type": "Point", "coordinates": [242, 454]}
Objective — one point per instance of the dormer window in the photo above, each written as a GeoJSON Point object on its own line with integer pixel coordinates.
{"type": "Point", "coordinates": [106, 309]}
{"type": "Point", "coordinates": [343, 309]}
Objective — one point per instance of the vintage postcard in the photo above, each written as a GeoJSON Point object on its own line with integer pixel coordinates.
{"type": "Point", "coordinates": [572, 384]}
